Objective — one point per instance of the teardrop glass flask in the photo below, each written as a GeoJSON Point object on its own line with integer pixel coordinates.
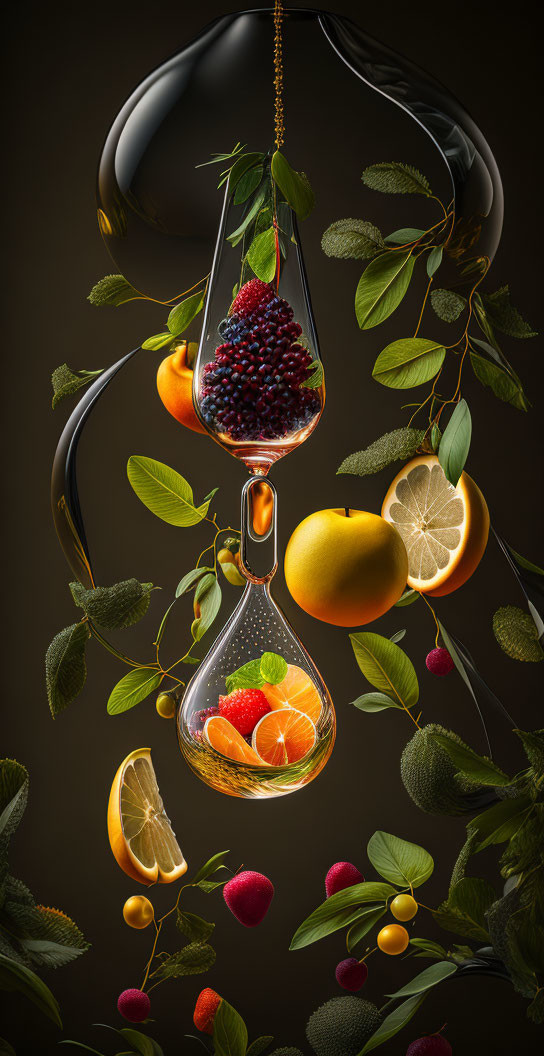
{"type": "Point", "coordinates": [258, 382]}
{"type": "Point", "coordinates": [257, 719]}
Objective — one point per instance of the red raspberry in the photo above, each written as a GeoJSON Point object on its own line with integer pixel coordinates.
{"type": "Point", "coordinates": [439, 662]}
{"type": "Point", "coordinates": [351, 974]}
{"type": "Point", "coordinates": [341, 875]}
{"type": "Point", "coordinates": [252, 294]}
{"type": "Point", "coordinates": [206, 1006]}
{"type": "Point", "coordinates": [244, 708]}
{"type": "Point", "coordinates": [248, 896]}
{"type": "Point", "coordinates": [134, 1005]}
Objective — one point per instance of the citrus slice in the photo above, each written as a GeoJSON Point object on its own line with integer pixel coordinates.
{"type": "Point", "coordinates": [444, 529]}
{"type": "Point", "coordinates": [283, 737]}
{"type": "Point", "coordinates": [140, 834]}
{"type": "Point", "coordinates": [221, 735]}
{"type": "Point", "coordinates": [296, 690]}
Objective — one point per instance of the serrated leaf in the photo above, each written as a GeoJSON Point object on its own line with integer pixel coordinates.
{"type": "Point", "coordinates": [66, 382]}
{"type": "Point", "coordinates": [315, 380]}
{"type": "Point", "coordinates": [65, 668]}
{"type": "Point", "coordinates": [184, 313]}
{"type": "Point", "coordinates": [120, 605]}
{"type": "Point", "coordinates": [208, 598]}
{"type": "Point", "coordinates": [372, 702]}
{"type": "Point", "coordinates": [132, 689]}
{"type": "Point", "coordinates": [500, 381]}
{"type": "Point", "coordinates": [395, 177]}
{"type": "Point", "coordinates": [409, 362]}
{"type": "Point", "coordinates": [165, 492]}
{"type": "Point", "coordinates": [386, 667]}
{"type": "Point", "coordinates": [13, 795]}
{"type": "Point", "coordinates": [361, 927]}
{"type": "Point", "coordinates": [533, 746]}
{"type": "Point", "coordinates": [434, 260]}
{"type": "Point", "coordinates": [465, 909]}
{"type": "Point", "coordinates": [426, 979]}
{"type": "Point", "coordinates": [478, 767]}
{"type": "Point", "coordinates": [294, 186]}
{"type": "Point", "coordinates": [193, 959]}
{"type": "Point", "coordinates": [402, 863]}
{"type": "Point", "coordinates": [447, 304]}
{"type": "Point", "coordinates": [391, 447]}
{"type": "Point", "coordinates": [158, 341]}
{"type": "Point", "coordinates": [339, 910]}
{"type": "Point", "coordinates": [455, 443]}
{"type": "Point", "coordinates": [382, 287]}
{"type": "Point", "coordinates": [517, 634]}
{"type": "Point", "coordinates": [17, 977]}
{"type": "Point", "coordinates": [47, 954]}
{"type": "Point", "coordinates": [503, 316]}
{"type": "Point", "coordinates": [195, 928]}
{"type": "Point", "coordinates": [352, 239]}
{"type": "Point", "coordinates": [113, 290]}
{"type": "Point", "coordinates": [261, 255]}
{"type": "Point", "coordinates": [273, 668]}
{"type": "Point", "coordinates": [394, 1022]}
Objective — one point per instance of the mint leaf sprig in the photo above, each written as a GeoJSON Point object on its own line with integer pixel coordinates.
{"type": "Point", "coordinates": [270, 668]}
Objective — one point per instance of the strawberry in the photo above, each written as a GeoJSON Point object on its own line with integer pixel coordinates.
{"type": "Point", "coordinates": [206, 1006]}
{"type": "Point", "coordinates": [248, 896]}
{"type": "Point", "coordinates": [252, 294]}
{"type": "Point", "coordinates": [243, 708]}
{"type": "Point", "coordinates": [341, 875]}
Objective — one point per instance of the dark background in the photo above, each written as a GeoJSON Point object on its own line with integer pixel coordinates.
{"type": "Point", "coordinates": [70, 69]}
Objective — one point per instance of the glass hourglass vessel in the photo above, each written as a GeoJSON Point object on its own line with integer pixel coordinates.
{"type": "Point", "coordinates": [275, 736]}
{"type": "Point", "coordinates": [258, 382]}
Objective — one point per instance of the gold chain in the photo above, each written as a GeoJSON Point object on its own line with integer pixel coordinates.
{"type": "Point", "coordinates": [278, 74]}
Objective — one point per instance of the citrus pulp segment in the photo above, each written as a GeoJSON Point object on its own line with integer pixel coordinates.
{"type": "Point", "coordinates": [296, 690]}
{"type": "Point", "coordinates": [284, 736]}
{"type": "Point", "coordinates": [221, 735]}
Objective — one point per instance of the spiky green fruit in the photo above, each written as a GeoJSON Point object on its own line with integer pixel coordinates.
{"type": "Point", "coordinates": [400, 444]}
{"type": "Point", "coordinates": [431, 779]}
{"type": "Point", "coordinates": [516, 633]}
{"type": "Point", "coordinates": [341, 1026]}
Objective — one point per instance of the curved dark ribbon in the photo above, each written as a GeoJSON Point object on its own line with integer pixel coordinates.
{"type": "Point", "coordinates": [531, 583]}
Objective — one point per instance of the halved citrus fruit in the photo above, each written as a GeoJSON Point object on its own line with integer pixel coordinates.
{"type": "Point", "coordinates": [221, 735]}
{"type": "Point", "coordinates": [283, 737]}
{"type": "Point", "coordinates": [140, 834]}
{"type": "Point", "coordinates": [296, 690]}
{"type": "Point", "coordinates": [444, 529]}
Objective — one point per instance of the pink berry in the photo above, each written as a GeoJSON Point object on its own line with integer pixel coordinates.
{"type": "Point", "coordinates": [248, 896]}
{"type": "Point", "coordinates": [431, 1045]}
{"type": "Point", "coordinates": [351, 974]}
{"type": "Point", "coordinates": [341, 875]}
{"type": "Point", "coordinates": [439, 661]}
{"type": "Point", "coordinates": [134, 1005]}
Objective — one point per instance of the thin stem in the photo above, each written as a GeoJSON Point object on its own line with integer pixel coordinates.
{"type": "Point", "coordinates": [427, 291]}
{"type": "Point", "coordinates": [158, 927]}
{"type": "Point", "coordinates": [429, 606]}
{"type": "Point", "coordinates": [111, 648]}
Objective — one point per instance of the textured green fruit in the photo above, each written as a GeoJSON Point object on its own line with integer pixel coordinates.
{"type": "Point", "coordinates": [392, 447]}
{"type": "Point", "coordinates": [516, 633]}
{"type": "Point", "coordinates": [431, 779]}
{"type": "Point", "coordinates": [342, 1026]}
{"type": "Point", "coordinates": [286, 1052]}
{"type": "Point", "coordinates": [166, 705]}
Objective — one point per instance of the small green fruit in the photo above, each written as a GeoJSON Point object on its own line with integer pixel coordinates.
{"type": "Point", "coordinates": [231, 571]}
{"type": "Point", "coordinates": [166, 705]}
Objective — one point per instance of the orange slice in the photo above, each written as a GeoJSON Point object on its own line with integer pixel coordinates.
{"type": "Point", "coordinates": [297, 690]}
{"type": "Point", "coordinates": [140, 834]}
{"type": "Point", "coordinates": [283, 737]}
{"type": "Point", "coordinates": [221, 735]}
{"type": "Point", "coordinates": [444, 529]}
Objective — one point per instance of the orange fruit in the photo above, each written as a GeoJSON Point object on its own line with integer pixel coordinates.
{"type": "Point", "coordinates": [140, 834]}
{"type": "Point", "coordinates": [345, 567]}
{"type": "Point", "coordinates": [283, 737]}
{"type": "Point", "coordinates": [221, 735]}
{"type": "Point", "coordinates": [138, 911]}
{"type": "Point", "coordinates": [444, 529]}
{"type": "Point", "coordinates": [393, 939]}
{"type": "Point", "coordinates": [175, 388]}
{"type": "Point", "coordinates": [297, 690]}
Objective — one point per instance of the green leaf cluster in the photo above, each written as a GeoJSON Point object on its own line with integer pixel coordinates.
{"type": "Point", "coordinates": [269, 668]}
{"type": "Point", "coordinates": [66, 382]}
{"type": "Point", "coordinates": [387, 667]}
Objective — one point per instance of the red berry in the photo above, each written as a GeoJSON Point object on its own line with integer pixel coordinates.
{"type": "Point", "coordinates": [134, 1005]}
{"type": "Point", "coordinates": [439, 661]}
{"type": "Point", "coordinates": [252, 294]}
{"type": "Point", "coordinates": [243, 708]}
{"type": "Point", "coordinates": [341, 875]}
{"type": "Point", "coordinates": [431, 1045]}
{"type": "Point", "coordinates": [206, 1006]}
{"type": "Point", "coordinates": [248, 896]}
{"type": "Point", "coordinates": [350, 974]}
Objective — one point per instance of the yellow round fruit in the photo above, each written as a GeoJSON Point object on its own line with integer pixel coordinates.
{"type": "Point", "coordinates": [345, 567]}
{"type": "Point", "coordinates": [403, 907]}
{"type": "Point", "coordinates": [138, 911]}
{"type": "Point", "coordinates": [444, 529]}
{"type": "Point", "coordinates": [165, 705]}
{"type": "Point", "coordinates": [393, 939]}
{"type": "Point", "coordinates": [225, 556]}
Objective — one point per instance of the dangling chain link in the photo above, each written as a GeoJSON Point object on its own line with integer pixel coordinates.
{"type": "Point", "coordinates": [278, 74]}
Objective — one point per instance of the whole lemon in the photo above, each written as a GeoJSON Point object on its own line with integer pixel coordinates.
{"type": "Point", "coordinates": [345, 567]}
{"type": "Point", "coordinates": [138, 911]}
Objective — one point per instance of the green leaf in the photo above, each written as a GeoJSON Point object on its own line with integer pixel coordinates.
{"type": "Point", "coordinates": [465, 909]}
{"type": "Point", "coordinates": [133, 688]}
{"type": "Point", "coordinates": [315, 380]}
{"type": "Point", "coordinates": [53, 927]}
{"type": "Point", "coordinates": [65, 382]}
{"type": "Point", "coordinates": [395, 177]}
{"type": "Point", "coordinates": [372, 702]}
{"type": "Point", "coordinates": [517, 634]}
{"type": "Point", "coordinates": [404, 235]}
{"type": "Point", "coordinates": [478, 767]}
{"type": "Point", "coordinates": [236, 236]}
{"type": "Point", "coordinates": [436, 436]}
{"type": "Point", "coordinates": [528, 565]}
{"type": "Point", "coordinates": [428, 978]}
{"type": "Point", "coordinates": [65, 668]}
{"type": "Point", "coordinates": [260, 1045]}
{"type": "Point", "coordinates": [503, 316]}
{"type": "Point", "coordinates": [184, 313]}
{"type": "Point", "coordinates": [208, 596]}
{"type": "Point", "coordinates": [408, 598]}
{"type": "Point", "coordinates": [293, 185]}
{"type": "Point", "coordinates": [261, 255]}
{"type": "Point", "coordinates": [193, 959]}
{"type": "Point", "coordinates": [533, 746]}
{"type": "Point", "coordinates": [447, 304]}
{"type": "Point", "coordinates": [352, 239]}
{"type": "Point", "coordinates": [386, 667]}
{"type": "Point", "coordinates": [273, 668]}
{"type": "Point", "coordinates": [247, 183]}
{"type": "Point", "coordinates": [190, 578]}
{"type": "Point", "coordinates": [140, 1042]}
{"type": "Point", "coordinates": [113, 290]}
{"type": "Point", "coordinates": [13, 794]}
{"type": "Point", "coordinates": [14, 976]}
{"type": "Point", "coordinates": [394, 1022]}
{"type": "Point", "coordinates": [402, 863]}
{"type": "Point", "coordinates": [434, 260]}
{"type": "Point", "coordinates": [166, 493]}
{"type": "Point", "coordinates": [195, 928]}
{"type": "Point", "coordinates": [6, 1049]}
{"type": "Point", "coordinates": [501, 821]}
{"type": "Point", "coordinates": [47, 954]}
{"type": "Point", "coordinates": [217, 157]}
{"type": "Point", "coordinates": [409, 362]}
{"type": "Point", "coordinates": [210, 867]}
{"type": "Point", "coordinates": [158, 341]}
{"type": "Point", "coordinates": [121, 605]}
{"type": "Point", "coordinates": [506, 387]}
{"type": "Point", "coordinates": [391, 447]}
{"type": "Point", "coordinates": [382, 287]}
{"type": "Point", "coordinates": [339, 910]}
{"type": "Point", "coordinates": [246, 677]}
{"type": "Point", "coordinates": [433, 949]}
{"type": "Point", "coordinates": [455, 443]}
{"type": "Point", "coordinates": [229, 1031]}
{"type": "Point", "coordinates": [362, 925]}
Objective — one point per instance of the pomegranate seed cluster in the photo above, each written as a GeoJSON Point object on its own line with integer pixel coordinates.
{"type": "Point", "coordinates": [252, 390]}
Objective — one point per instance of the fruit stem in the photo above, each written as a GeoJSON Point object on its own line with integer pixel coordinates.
{"type": "Point", "coordinates": [368, 954]}
{"type": "Point", "coordinates": [346, 510]}
{"type": "Point", "coordinates": [429, 606]}
{"type": "Point", "coordinates": [148, 966]}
